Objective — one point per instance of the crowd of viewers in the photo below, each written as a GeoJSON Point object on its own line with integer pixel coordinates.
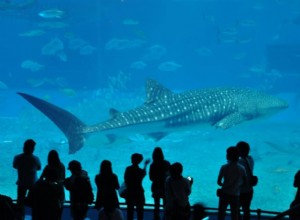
{"type": "Point", "coordinates": [45, 195]}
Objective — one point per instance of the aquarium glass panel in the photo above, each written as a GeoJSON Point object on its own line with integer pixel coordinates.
{"type": "Point", "coordinates": [103, 79]}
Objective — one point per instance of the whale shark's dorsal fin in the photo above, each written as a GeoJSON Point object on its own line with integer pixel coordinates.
{"type": "Point", "coordinates": [156, 91]}
{"type": "Point", "coordinates": [113, 112]}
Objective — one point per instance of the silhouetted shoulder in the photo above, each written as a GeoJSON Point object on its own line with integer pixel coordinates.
{"type": "Point", "coordinates": [297, 179]}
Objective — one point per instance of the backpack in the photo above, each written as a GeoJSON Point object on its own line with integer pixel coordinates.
{"type": "Point", "coordinates": [88, 192]}
{"type": "Point", "coordinates": [9, 210]}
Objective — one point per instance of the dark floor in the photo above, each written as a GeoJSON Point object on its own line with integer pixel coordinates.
{"type": "Point", "coordinates": [148, 215]}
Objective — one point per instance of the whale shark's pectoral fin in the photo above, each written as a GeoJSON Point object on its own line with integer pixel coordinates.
{"type": "Point", "coordinates": [230, 120]}
{"type": "Point", "coordinates": [111, 138]}
{"type": "Point", "coordinates": [157, 135]}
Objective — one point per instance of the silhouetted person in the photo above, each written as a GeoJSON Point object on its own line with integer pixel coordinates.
{"type": "Point", "coordinates": [246, 193]}
{"type": "Point", "coordinates": [58, 167]}
{"type": "Point", "coordinates": [9, 210]}
{"type": "Point", "coordinates": [134, 176]}
{"type": "Point", "coordinates": [231, 177]}
{"type": "Point", "coordinates": [27, 166]}
{"type": "Point", "coordinates": [107, 185]}
{"type": "Point", "coordinates": [81, 194]}
{"type": "Point", "coordinates": [295, 215]}
{"type": "Point", "coordinates": [199, 212]}
{"type": "Point", "coordinates": [159, 170]}
{"type": "Point", "coordinates": [177, 190]}
{"type": "Point", "coordinates": [46, 197]}
{"type": "Point", "coordinates": [116, 214]}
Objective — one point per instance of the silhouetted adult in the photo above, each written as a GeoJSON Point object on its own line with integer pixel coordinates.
{"type": "Point", "coordinates": [246, 193]}
{"type": "Point", "coordinates": [46, 197]}
{"type": "Point", "coordinates": [81, 194]}
{"type": "Point", "coordinates": [159, 170]}
{"type": "Point", "coordinates": [58, 167]}
{"type": "Point", "coordinates": [107, 185]}
{"type": "Point", "coordinates": [295, 215]}
{"type": "Point", "coordinates": [133, 177]}
{"type": "Point", "coordinates": [231, 177]}
{"type": "Point", "coordinates": [177, 189]}
{"type": "Point", "coordinates": [27, 166]}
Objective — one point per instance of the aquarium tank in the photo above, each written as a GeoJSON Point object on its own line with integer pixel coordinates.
{"type": "Point", "coordinates": [191, 76]}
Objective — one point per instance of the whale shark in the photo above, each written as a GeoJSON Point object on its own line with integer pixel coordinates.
{"type": "Point", "coordinates": [164, 111]}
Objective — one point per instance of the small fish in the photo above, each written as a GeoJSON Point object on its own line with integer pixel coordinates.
{"type": "Point", "coordinates": [258, 69]}
{"type": "Point", "coordinates": [227, 39]}
{"type": "Point", "coordinates": [87, 50]}
{"type": "Point", "coordinates": [51, 13]}
{"type": "Point", "coordinates": [32, 33]}
{"type": "Point", "coordinates": [169, 66]}
{"type": "Point", "coordinates": [240, 56]}
{"type": "Point", "coordinates": [31, 65]}
{"type": "Point", "coordinates": [244, 40]}
{"type": "Point", "coordinates": [138, 65]}
{"type": "Point", "coordinates": [204, 51]}
{"type": "Point", "coordinates": [3, 86]}
{"type": "Point", "coordinates": [246, 23]}
{"type": "Point", "coordinates": [258, 6]}
{"type": "Point", "coordinates": [229, 31]}
{"type": "Point", "coordinates": [130, 22]}
{"type": "Point", "coordinates": [36, 82]}
{"type": "Point", "coordinates": [68, 92]}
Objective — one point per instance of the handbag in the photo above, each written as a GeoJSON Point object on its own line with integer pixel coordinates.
{"type": "Point", "coordinates": [123, 190]}
{"type": "Point", "coordinates": [253, 178]}
{"type": "Point", "coordinates": [219, 192]}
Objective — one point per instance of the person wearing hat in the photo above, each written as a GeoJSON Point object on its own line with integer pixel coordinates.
{"type": "Point", "coordinates": [134, 176]}
{"type": "Point", "coordinates": [81, 193]}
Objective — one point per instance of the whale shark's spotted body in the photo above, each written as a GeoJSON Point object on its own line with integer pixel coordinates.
{"type": "Point", "coordinates": [163, 111]}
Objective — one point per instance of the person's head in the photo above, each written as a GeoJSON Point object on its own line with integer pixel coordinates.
{"type": "Point", "coordinates": [106, 167]}
{"type": "Point", "coordinates": [243, 148]}
{"type": "Point", "coordinates": [176, 170]}
{"type": "Point", "coordinates": [74, 166]}
{"type": "Point", "coordinates": [157, 154]}
{"type": "Point", "coordinates": [198, 212]}
{"type": "Point", "coordinates": [53, 158]}
{"type": "Point", "coordinates": [136, 158]}
{"type": "Point", "coordinates": [28, 146]}
{"type": "Point", "coordinates": [232, 154]}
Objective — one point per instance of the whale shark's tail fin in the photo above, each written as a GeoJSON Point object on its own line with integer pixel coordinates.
{"type": "Point", "coordinates": [68, 123]}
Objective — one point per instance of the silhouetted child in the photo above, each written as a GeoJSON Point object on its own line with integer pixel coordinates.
{"type": "Point", "coordinates": [81, 193]}
{"type": "Point", "coordinates": [199, 212]}
{"type": "Point", "coordinates": [177, 190]}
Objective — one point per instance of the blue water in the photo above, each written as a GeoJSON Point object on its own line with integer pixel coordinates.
{"type": "Point", "coordinates": [105, 50]}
